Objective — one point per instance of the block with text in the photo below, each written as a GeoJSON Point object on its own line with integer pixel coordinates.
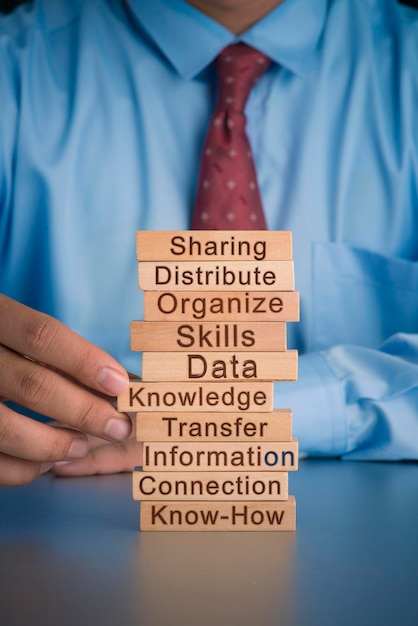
{"type": "Point", "coordinates": [216, 451]}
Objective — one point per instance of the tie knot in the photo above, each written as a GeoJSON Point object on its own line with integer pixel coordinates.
{"type": "Point", "coordinates": [239, 68]}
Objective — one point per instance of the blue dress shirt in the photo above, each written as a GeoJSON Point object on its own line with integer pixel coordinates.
{"type": "Point", "coordinates": [104, 106]}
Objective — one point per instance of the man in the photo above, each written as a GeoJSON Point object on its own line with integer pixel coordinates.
{"type": "Point", "coordinates": [105, 106]}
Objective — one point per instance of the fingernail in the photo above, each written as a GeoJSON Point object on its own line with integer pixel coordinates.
{"type": "Point", "coordinates": [118, 429]}
{"type": "Point", "coordinates": [45, 467]}
{"type": "Point", "coordinates": [61, 463]}
{"type": "Point", "coordinates": [112, 381]}
{"type": "Point", "coordinates": [78, 449]}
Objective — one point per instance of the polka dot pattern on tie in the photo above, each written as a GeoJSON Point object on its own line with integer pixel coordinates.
{"type": "Point", "coordinates": [228, 196]}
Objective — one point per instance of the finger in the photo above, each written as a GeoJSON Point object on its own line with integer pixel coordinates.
{"type": "Point", "coordinates": [47, 392]}
{"type": "Point", "coordinates": [15, 472]}
{"type": "Point", "coordinates": [93, 441]}
{"type": "Point", "coordinates": [107, 459]}
{"type": "Point", "coordinates": [34, 441]}
{"type": "Point", "coordinates": [48, 341]}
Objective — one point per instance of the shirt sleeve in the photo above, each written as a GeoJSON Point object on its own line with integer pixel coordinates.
{"type": "Point", "coordinates": [8, 124]}
{"type": "Point", "coordinates": [356, 402]}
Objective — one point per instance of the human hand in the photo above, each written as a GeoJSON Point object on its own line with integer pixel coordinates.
{"type": "Point", "coordinates": [46, 367]}
{"type": "Point", "coordinates": [103, 458]}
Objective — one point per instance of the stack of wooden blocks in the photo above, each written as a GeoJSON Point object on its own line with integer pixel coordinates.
{"type": "Point", "coordinates": [216, 456]}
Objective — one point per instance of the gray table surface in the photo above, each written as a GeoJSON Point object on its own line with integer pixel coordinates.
{"type": "Point", "coordinates": [71, 553]}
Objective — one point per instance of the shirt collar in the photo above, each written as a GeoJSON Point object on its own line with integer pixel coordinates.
{"type": "Point", "coordinates": [191, 41]}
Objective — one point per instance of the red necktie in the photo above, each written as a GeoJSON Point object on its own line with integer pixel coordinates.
{"type": "Point", "coordinates": [228, 197]}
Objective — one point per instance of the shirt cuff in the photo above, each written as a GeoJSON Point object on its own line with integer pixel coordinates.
{"type": "Point", "coordinates": [318, 408]}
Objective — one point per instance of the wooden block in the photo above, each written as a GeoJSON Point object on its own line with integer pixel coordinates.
{"type": "Point", "coordinates": [191, 457]}
{"type": "Point", "coordinates": [261, 306]}
{"type": "Point", "coordinates": [210, 486]}
{"type": "Point", "coordinates": [192, 397]}
{"type": "Point", "coordinates": [209, 276]}
{"type": "Point", "coordinates": [271, 516]}
{"type": "Point", "coordinates": [206, 336]}
{"type": "Point", "coordinates": [214, 245]}
{"type": "Point", "coordinates": [204, 427]}
{"type": "Point", "coordinates": [170, 366]}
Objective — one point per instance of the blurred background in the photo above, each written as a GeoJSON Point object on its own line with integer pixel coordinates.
{"type": "Point", "coordinates": [8, 5]}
